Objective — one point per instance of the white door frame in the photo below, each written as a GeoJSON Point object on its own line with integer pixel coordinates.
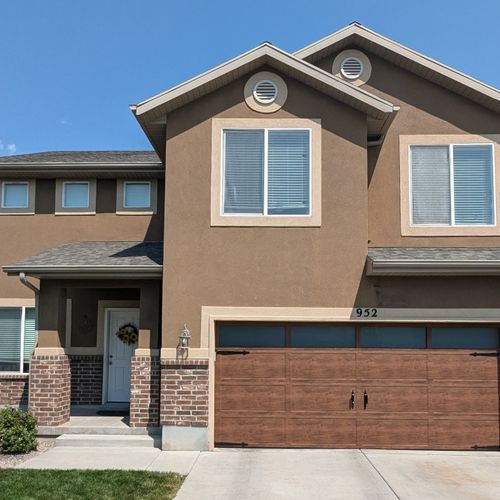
{"type": "Point", "coordinates": [105, 360]}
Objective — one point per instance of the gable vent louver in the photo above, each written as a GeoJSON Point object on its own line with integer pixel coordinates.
{"type": "Point", "coordinates": [265, 92]}
{"type": "Point", "coordinates": [351, 68]}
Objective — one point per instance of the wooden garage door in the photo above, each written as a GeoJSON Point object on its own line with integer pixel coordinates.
{"type": "Point", "coordinates": [357, 397]}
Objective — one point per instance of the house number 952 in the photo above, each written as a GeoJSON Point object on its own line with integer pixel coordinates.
{"type": "Point", "coordinates": [366, 312]}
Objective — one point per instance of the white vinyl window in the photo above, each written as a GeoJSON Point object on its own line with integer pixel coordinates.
{"type": "Point", "coordinates": [452, 185]}
{"type": "Point", "coordinates": [17, 338]}
{"type": "Point", "coordinates": [266, 172]}
{"type": "Point", "coordinates": [76, 195]}
{"type": "Point", "coordinates": [136, 194]}
{"type": "Point", "coordinates": [15, 195]}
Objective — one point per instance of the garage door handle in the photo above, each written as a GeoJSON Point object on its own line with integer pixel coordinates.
{"type": "Point", "coordinates": [352, 400]}
{"type": "Point", "coordinates": [365, 399]}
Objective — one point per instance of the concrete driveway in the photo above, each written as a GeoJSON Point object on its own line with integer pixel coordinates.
{"type": "Point", "coordinates": [345, 474]}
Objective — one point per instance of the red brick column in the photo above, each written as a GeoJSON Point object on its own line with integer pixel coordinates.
{"type": "Point", "coordinates": [50, 387]}
{"type": "Point", "coordinates": [145, 391]}
{"type": "Point", "coordinates": [184, 393]}
{"type": "Point", "coordinates": [14, 390]}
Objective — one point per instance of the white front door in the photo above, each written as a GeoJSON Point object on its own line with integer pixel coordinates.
{"type": "Point", "coordinates": [119, 354]}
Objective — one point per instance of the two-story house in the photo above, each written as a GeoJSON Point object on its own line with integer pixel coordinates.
{"type": "Point", "coordinates": [309, 259]}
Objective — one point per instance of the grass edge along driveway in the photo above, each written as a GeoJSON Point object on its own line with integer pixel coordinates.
{"type": "Point", "coordinates": [88, 484]}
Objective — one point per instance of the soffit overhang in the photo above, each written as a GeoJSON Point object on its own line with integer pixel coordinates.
{"type": "Point", "coordinates": [152, 113]}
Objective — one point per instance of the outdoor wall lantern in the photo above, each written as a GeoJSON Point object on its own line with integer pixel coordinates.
{"type": "Point", "coordinates": [184, 338]}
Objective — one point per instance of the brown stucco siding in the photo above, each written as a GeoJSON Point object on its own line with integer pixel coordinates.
{"type": "Point", "coordinates": [84, 311]}
{"type": "Point", "coordinates": [31, 234]}
{"type": "Point", "coordinates": [259, 266]}
{"type": "Point", "coordinates": [426, 108]}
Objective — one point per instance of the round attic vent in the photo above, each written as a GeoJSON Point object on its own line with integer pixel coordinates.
{"type": "Point", "coordinates": [351, 68]}
{"type": "Point", "coordinates": [265, 91]}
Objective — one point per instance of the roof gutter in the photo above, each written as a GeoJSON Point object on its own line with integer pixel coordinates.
{"type": "Point", "coordinates": [432, 268]}
{"type": "Point", "coordinates": [85, 272]}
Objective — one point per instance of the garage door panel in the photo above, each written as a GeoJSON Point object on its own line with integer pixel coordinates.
{"type": "Point", "coordinates": [254, 431]}
{"type": "Point", "coordinates": [319, 398]}
{"type": "Point", "coordinates": [462, 365]}
{"type": "Point", "coordinates": [475, 399]}
{"type": "Point", "coordinates": [400, 398]}
{"type": "Point", "coordinates": [266, 365]}
{"type": "Point", "coordinates": [391, 365]}
{"type": "Point", "coordinates": [317, 366]}
{"type": "Point", "coordinates": [322, 432]}
{"type": "Point", "coordinates": [251, 398]}
{"type": "Point", "coordinates": [417, 398]}
{"type": "Point", "coordinates": [464, 433]}
{"type": "Point", "coordinates": [392, 433]}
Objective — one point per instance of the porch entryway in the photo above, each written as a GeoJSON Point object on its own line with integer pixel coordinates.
{"type": "Point", "coordinates": [80, 286]}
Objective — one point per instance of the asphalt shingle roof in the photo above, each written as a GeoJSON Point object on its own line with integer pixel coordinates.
{"type": "Point", "coordinates": [67, 157]}
{"type": "Point", "coordinates": [96, 254]}
{"type": "Point", "coordinates": [448, 254]}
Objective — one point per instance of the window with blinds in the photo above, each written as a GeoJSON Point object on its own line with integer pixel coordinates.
{"type": "Point", "coordinates": [452, 185]}
{"type": "Point", "coordinates": [17, 338]}
{"type": "Point", "coordinates": [267, 171]}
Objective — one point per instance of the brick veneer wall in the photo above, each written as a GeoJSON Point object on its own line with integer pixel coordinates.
{"type": "Point", "coordinates": [184, 393]}
{"type": "Point", "coordinates": [86, 379]}
{"type": "Point", "coordinates": [145, 391]}
{"type": "Point", "coordinates": [49, 391]}
{"type": "Point", "coordinates": [14, 389]}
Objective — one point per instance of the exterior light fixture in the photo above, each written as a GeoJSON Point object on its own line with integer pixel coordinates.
{"type": "Point", "coordinates": [184, 338]}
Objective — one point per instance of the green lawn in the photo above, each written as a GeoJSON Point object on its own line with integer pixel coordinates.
{"type": "Point", "coordinates": [87, 485]}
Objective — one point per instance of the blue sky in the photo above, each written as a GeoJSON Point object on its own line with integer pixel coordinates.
{"type": "Point", "coordinates": [69, 69]}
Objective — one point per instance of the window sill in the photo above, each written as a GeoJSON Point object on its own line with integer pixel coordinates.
{"type": "Point", "coordinates": [74, 213]}
{"type": "Point", "coordinates": [450, 231]}
{"type": "Point", "coordinates": [266, 221]}
{"type": "Point", "coordinates": [17, 213]}
{"type": "Point", "coordinates": [13, 375]}
{"type": "Point", "coordinates": [135, 212]}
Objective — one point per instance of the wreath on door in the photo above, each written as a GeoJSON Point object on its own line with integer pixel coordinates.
{"type": "Point", "coordinates": [128, 334]}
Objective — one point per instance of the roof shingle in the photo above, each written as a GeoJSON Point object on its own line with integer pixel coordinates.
{"type": "Point", "coordinates": [67, 157]}
{"type": "Point", "coordinates": [94, 257]}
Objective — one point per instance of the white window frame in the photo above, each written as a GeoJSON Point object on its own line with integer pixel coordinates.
{"type": "Point", "coordinates": [16, 183]}
{"type": "Point", "coordinates": [452, 185]}
{"type": "Point", "coordinates": [266, 173]}
{"type": "Point", "coordinates": [63, 195]}
{"type": "Point", "coordinates": [125, 184]}
{"type": "Point", "coordinates": [21, 347]}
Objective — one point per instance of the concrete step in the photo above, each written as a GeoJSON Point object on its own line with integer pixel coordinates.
{"type": "Point", "coordinates": [109, 440]}
{"type": "Point", "coordinates": [97, 430]}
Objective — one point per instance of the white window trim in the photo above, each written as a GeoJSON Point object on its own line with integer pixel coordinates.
{"type": "Point", "coordinates": [407, 229]}
{"type": "Point", "coordinates": [63, 199]}
{"type": "Point", "coordinates": [21, 350]}
{"type": "Point", "coordinates": [266, 174]}
{"type": "Point", "coordinates": [125, 184]}
{"type": "Point", "coordinates": [16, 183]}
{"type": "Point", "coordinates": [452, 185]}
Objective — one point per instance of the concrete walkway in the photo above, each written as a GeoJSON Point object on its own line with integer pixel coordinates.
{"type": "Point", "coordinates": [151, 459]}
{"type": "Point", "coordinates": [298, 474]}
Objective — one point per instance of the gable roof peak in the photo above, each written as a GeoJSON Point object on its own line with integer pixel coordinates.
{"type": "Point", "coordinates": [409, 59]}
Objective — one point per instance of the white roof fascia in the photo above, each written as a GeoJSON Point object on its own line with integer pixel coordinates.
{"type": "Point", "coordinates": [377, 103]}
